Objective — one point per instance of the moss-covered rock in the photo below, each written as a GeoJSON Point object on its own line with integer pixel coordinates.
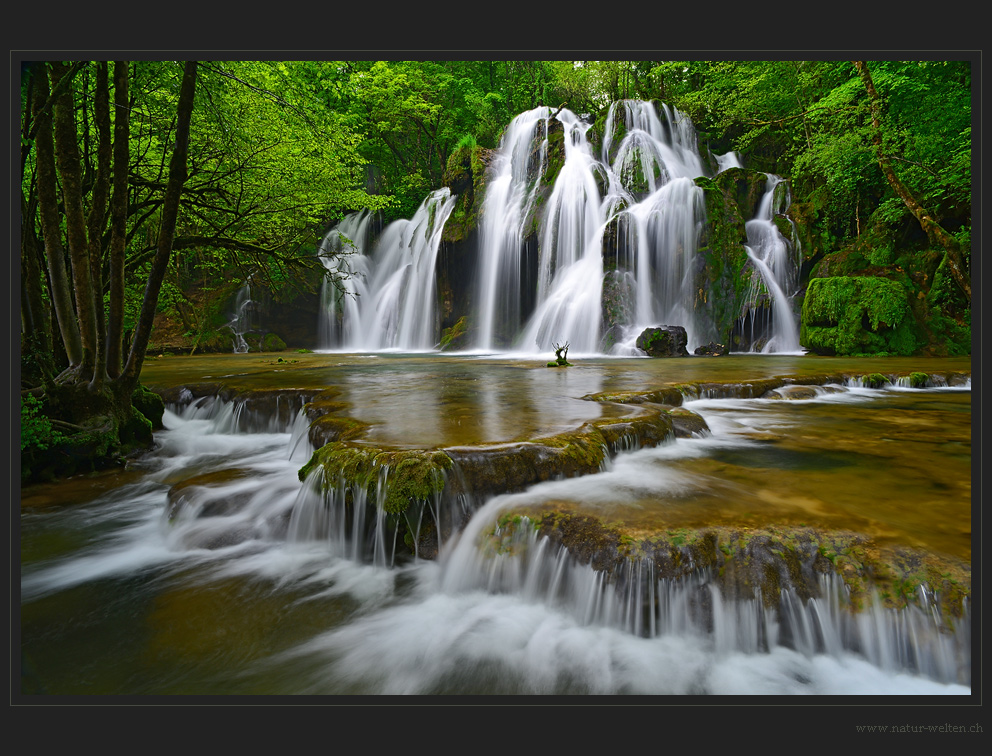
{"type": "Point", "coordinates": [272, 342]}
{"type": "Point", "coordinates": [465, 174]}
{"type": "Point", "coordinates": [730, 199]}
{"type": "Point", "coordinates": [149, 404]}
{"type": "Point", "coordinates": [394, 479]}
{"type": "Point", "coordinates": [858, 315]}
{"type": "Point", "coordinates": [663, 341]}
{"type": "Point", "coordinates": [73, 429]}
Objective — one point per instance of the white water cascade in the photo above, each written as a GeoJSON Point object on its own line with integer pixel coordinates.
{"type": "Point", "coordinates": [570, 261]}
{"type": "Point", "coordinates": [389, 301]}
{"type": "Point", "coordinates": [628, 217]}
{"type": "Point", "coordinates": [251, 552]}
{"type": "Point", "coordinates": [642, 181]}
{"type": "Point", "coordinates": [242, 317]}
{"type": "Point", "coordinates": [510, 195]}
{"type": "Point", "coordinates": [771, 255]}
{"type": "Point", "coordinates": [343, 251]}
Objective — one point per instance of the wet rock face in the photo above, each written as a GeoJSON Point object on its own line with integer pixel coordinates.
{"type": "Point", "coordinates": [663, 341]}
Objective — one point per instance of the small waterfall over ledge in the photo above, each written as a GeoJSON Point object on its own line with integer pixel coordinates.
{"type": "Point", "coordinates": [511, 605]}
{"type": "Point", "coordinates": [617, 240]}
{"type": "Point", "coordinates": [493, 560]}
{"type": "Point", "coordinates": [774, 276]}
{"type": "Point", "coordinates": [244, 318]}
{"type": "Point", "coordinates": [387, 297]}
{"type": "Point", "coordinates": [510, 195]}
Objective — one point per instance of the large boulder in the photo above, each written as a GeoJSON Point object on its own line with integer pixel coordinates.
{"type": "Point", "coordinates": [663, 341]}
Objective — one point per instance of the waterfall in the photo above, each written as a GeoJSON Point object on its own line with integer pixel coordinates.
{"type": "Point", "coordinates": [570, 262]}
{"type": "Point", "coordinates": [510, 194]}
{"type": "Point", "coordinates": [775, 269]}
{"type": "Point", "coordinates": [343, 251]}
{"type": "Point", "coordinates": [241, 321]}
{"type": "Point", "coordinates": [642, 181]}
{"type": "Point", "coordinates": [579, 245]}
{"type": "Point", "coordinates": [218, 532]}
{"type": "Point", "coordinates": [389, 301]}
{"type": "Point", "coordinates": [662, 231]}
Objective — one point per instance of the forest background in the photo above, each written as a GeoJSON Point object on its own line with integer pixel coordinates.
{"type": "Point", "coordinates": [159, 187]}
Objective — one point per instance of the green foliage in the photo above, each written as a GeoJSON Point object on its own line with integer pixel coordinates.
{"type": "Point", "coordinates": [281, 149]}
{"type": "Point", "coordinates": [36, 428]}
{"type": "Point", "coordinates": [809, 120]}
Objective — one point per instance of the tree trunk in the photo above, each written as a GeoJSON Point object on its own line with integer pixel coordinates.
{"type": "Point", "coordinates": [48, 205]}
{"type": "Point", "coordinates": [96, 220]}
{"type": "Point", "coordinates": [118, 220]}
{"type": "Point", "coordinates": [38, 364]}
{"type": "Point", "coordinates": [935, 233]}
{"type": "Point", "coordinates": [68, 161]}
{"type": "Point", "coordinates": [167, 230]}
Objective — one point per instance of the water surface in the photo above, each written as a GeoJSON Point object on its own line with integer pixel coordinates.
{"type": "Point", "coordinates": [116, 600]}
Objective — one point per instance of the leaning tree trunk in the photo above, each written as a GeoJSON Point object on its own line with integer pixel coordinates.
{"type": "Point", "coordinates": [935, 233]}
{"type": "Point", "coordinates": [167, 230]}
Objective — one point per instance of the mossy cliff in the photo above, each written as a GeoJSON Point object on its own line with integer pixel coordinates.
{"type": "Point", "coordinates": [874, 297]}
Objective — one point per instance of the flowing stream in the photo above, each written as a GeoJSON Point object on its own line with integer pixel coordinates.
{"type": "Point", "coordinates": [245, 580]}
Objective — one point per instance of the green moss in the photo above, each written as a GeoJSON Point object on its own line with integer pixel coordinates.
{"type": "Point", "coordinates": [858, 315]}
{"type": "Point", "coordinates": [874, 380]}
{"type": "Point", "coordinates": [584, 449]}
{"type": "Point", "coordinates": [451, 336]}
{"type": "Point", "coordinates": [272, 343]}
{"type": "Point", "coordinates": [149, 404]}
{"type": "Point", "coordinates": [412, 477]}
{"type": "Point", "coordinates": [395, 479]}
{"type": "Point", "coordinates": [136, 431]}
